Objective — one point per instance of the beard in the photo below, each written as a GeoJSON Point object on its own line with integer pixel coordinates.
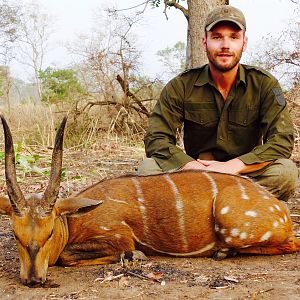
{"type": "Point", "coordinates": [216, 61]}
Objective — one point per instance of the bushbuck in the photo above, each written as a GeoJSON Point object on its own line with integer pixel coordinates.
{"type": "Point", "coordinates": [182, 214]}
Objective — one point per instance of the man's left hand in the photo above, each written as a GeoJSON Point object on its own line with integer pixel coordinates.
{"type": "Point", "coordinates": [233, 166]}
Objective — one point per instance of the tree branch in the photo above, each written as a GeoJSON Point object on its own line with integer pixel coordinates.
{"type": "Point", "coordinates": [129, 94]}
{"type": "Point", "coordinates": [170, 3]}
{"type": "Point", "coordinates": [113, 10]}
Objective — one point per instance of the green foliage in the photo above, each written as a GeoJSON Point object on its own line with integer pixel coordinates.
{"type": "Point", "coordinates": [27, 161]}
{"type": "Point", "coordinates": [156, 3]}
{"type": "Point", "coordinates": [60, 85]}
{"type": "Point", "coordinates": [174, 59]}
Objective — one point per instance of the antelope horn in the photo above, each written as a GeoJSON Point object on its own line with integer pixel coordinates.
{"type": "Point", "coordinates": [52, 189]}
{"type": "Point", "coordinates": [14, 192]}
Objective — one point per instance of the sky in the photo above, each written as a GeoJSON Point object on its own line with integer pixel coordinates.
{"type": "Point", "coordinates": [155, 32]}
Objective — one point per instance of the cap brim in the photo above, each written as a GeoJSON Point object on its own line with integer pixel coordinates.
{"type": "Point", "coordinates": [210, 26]}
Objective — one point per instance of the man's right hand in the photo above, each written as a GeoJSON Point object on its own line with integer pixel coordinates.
{"type": "Point", "coordinates": [194, 165]}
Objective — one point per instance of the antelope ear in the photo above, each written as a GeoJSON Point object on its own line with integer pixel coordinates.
{"type": "Point", "coordinates": [5, 206]}
{"type": "Point", "coordinates": [75, 205]}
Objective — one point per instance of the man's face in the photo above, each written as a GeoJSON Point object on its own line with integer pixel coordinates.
{"type": "Point", "coordinates": [224, 45]}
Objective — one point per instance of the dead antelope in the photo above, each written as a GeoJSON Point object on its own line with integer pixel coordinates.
{"type": "Point", "coordinates": [181, 214]}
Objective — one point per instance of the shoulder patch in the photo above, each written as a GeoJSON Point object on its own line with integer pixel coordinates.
{"type": "Point", "coordinates": [279, 96]}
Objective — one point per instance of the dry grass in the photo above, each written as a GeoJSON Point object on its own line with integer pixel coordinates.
{"type": "Point", "coordinates": [35, 124]}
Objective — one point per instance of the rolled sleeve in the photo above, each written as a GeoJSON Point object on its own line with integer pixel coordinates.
{"type": "Point", "coordinates": [164, 123]}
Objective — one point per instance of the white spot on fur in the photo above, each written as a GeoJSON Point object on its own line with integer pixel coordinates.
{"type": "Point", "coordinates": [246, 246]}
{"type": "Point", "coordinates": [285, 218]}
{"type": "Point", "coordinates": [224, 210]}
{"type": "Point", "coordinates": [275, 224]}
{"type": "Point", "coordinates": [105, 228]}
{"type": "Point", "coordinates": [235, 232]}
{"type": "Point", "coordinates": [223, 230]}
{"type": "Point", "coordinates": [142, 200]}
{"type": "Point", "coordinates": [99, 236]}
{"type": "Point", "coordinates": [266, 236]}
{"type": "Point", "coordinates": [243, 235]}
{"type": "Point", "coordinates": [118, 236]}
{"type": "Point", "coordinates": [281, 220]}
{"type": "Point", "coordinates": [251, 236]}
{"type": "Point", "coordinates": [251, 213]}
{"type": "Point", "coordinates": [217, 228]}
{"type": "Point", "coordinates": [180, 211]}
{"type": "Point", "coordinates": [271, 209]}
{"type": "Point", "coordinates": [228, 239]}
{"type": "Point", "coordinates": [277, 207]}
{"type": "Point", "coordinates": [247, 224]}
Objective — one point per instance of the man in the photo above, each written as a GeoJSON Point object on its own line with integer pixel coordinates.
{"type": "Point", "coordinates": [235, 116]}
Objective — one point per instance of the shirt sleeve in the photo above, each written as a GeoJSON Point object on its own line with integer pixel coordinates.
{"type": "Point", "coordinates": [164, 123]}
{"type": "Point", "coordinates": [276, 126]}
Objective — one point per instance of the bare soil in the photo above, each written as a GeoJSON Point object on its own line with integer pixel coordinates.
{"type": "Point", "coordinates": [241, 277]}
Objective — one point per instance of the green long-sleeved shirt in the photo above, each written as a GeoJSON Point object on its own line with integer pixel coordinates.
{"type": "Point", "coordinates": [253, 123]}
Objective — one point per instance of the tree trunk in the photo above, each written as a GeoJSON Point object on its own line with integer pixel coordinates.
{"type": "Point", "coordinates": [198, 10]}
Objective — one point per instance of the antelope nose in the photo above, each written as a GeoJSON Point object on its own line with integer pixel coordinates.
{"type": "Point", "coordinates": [33, 281]}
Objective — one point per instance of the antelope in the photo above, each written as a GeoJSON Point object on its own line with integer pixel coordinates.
{"type": "Point", "coordinates": [180, 214]}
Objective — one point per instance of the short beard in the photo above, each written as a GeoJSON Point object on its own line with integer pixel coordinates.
{"type": "Point", "coordinates": [224, 68]}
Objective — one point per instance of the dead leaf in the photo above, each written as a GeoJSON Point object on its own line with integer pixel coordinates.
{"type": "Point", "coordinates": [155, 275]}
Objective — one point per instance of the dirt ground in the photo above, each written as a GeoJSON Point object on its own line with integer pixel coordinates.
{"type": "Point", "coordinates": [241, 277]}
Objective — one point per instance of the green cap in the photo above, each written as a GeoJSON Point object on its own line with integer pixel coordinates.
{"type": "Point", "coordinates": [225, 13]}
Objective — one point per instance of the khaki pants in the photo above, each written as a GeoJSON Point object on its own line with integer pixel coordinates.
{"type": "Point", "coordinates": [280, 177]}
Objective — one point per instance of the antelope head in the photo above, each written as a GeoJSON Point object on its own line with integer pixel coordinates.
{"type": "Point", "coordinates": [33, 218]}
{"type": "Point", "coordinates": [40, 230]}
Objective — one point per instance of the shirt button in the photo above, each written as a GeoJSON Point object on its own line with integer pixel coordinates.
{"type": "Point", "coordinates": [245, 122]}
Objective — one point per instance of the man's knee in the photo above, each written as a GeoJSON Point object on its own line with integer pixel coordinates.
{"type": "Point", "coordinates": [280, 178]}
{"type": "Point", "coordinates": [148, 167]}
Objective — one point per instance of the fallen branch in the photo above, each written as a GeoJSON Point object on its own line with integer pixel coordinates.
{"type": "Point", "coordinates": [129, 94]}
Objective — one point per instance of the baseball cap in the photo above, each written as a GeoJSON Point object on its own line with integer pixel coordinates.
{"type": "Point", "coordinates": [225, 13]}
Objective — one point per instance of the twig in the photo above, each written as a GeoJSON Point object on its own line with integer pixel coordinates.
{"type": "Point", "coordinates": [261, 292]}
{"type": "Point", "coordinates": [142, 276]}
{"type": "Point", "coordinates": [295, 215]}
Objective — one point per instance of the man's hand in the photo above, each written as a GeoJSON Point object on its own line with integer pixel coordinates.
{"type": "Point", "coordinates": [193, 165]}
{"type": "Point", "coordinates": [233, 166]}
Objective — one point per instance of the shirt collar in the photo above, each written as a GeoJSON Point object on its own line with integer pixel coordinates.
{"type": "Point", "coordinates": [205, 77]}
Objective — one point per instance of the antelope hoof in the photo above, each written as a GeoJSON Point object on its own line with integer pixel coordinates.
{"type": "Point", "coordinates": [134, 255]}
{"type": "Point", "coordinates": [223, 253]}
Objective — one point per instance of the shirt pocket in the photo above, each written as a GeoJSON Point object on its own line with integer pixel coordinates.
{"type": "Point", "coordinates": [202, 113]}
{"type": "Point", "coordinates": [247, 117]}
